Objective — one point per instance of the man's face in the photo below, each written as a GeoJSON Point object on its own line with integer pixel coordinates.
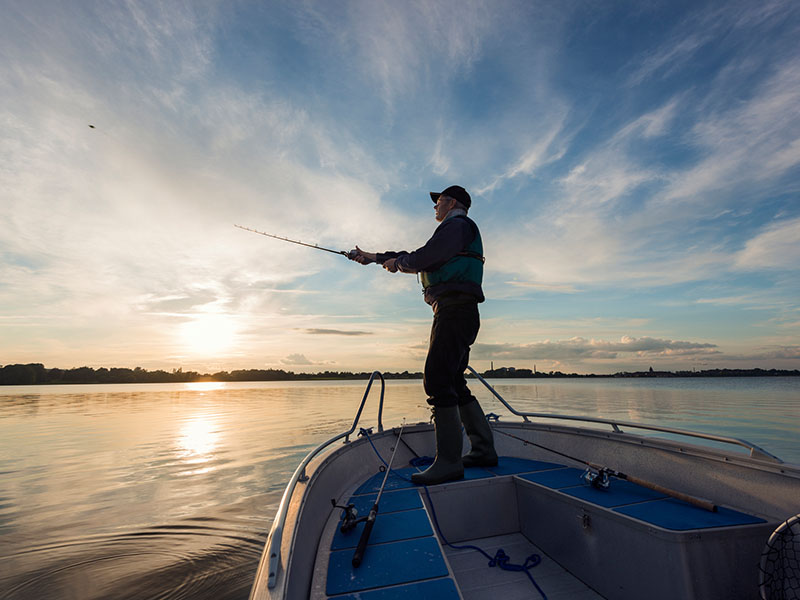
{"type": "Point", "coordinates": [443, 206]}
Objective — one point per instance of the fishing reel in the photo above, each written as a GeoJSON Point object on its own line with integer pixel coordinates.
{"type": "Point", "coordinates": [597, 478]}
{"type": "Point", "coordinates": [349, 516]}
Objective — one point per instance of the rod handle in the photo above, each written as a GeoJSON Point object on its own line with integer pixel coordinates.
{"type": "Point", "coordinates": [699, 502]}
{"type": "Point", "coordinates": [358, 556]}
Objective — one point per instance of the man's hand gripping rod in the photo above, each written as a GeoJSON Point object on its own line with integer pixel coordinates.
{"type": "Point", "coordinates": [349, 254]}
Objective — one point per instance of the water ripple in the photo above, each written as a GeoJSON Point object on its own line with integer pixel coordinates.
{"type": "Point", "coordinates": [198, 558]}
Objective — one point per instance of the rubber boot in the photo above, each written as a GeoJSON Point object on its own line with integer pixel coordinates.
{"type": "Point", "coordinates": [480, 436]}
{"type": "Point", "coordinates": [447, 466]}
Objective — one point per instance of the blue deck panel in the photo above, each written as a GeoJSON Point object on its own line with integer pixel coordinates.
{"type": "Point", "coordinates": [398, 479]}
{"type": "Point", "coordinates": [385, 565]}
{"type": "Point", "coordinates": [619, 493]}
{"type": "Point", "coordinates": [475, 473]}
{"type": "Point", "coordinates": [391, 501]}
{"type": "Point", "coordinates": [680, 516]}
{"type": "Point", "coordinates": [389, 527]}
{"type": "Point", "coordinates": [435, 589]}
{"type": "Point", "coordinates": [401, 479]}
{"type": "Point", "coordinates": [509, 465]}
{"type": "Point", "coordinates": [556, 478]}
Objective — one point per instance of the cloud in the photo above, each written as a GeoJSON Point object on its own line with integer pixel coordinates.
{"type": "Point", "coordinates": [667, 59]}
{"type": "Point", "coordinates": [746, 143]}
{"type": "Point", "coordinates": [774, 353]}
{"type": "Point", "coordinates": [776, 247]}
{"type": "Point", "coordinates": [550, 145]}
{"type": "Point", "coordinates": [336, 332]}
{"type": "Point", "coordinates": [700, 31]}
{"type": "Point", "coordinates": [618, 215]}
{"type": "Point", "coordinates": [545, 287]}
{"type": "Point", "coordinates": [613, 169]}
{"type": "Point", "coordinates": [400, 46]}
{"type": "Point", "coordinates": [780, 352]}
{"type": "Point", "coordinates": [297, 360]}
{"type": "Point", "coordinates": [656, 201]}
{"type": "Point", "coordinates": [579, 348]}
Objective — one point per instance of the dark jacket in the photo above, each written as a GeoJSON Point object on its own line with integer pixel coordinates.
{"type": "Point", "coordinates": [452, 237]}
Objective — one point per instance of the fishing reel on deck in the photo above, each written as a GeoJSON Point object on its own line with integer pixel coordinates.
{"type": "Point", "coordinates": [349, 516]}
{"type": "Point", "coordinates": [597, 478]}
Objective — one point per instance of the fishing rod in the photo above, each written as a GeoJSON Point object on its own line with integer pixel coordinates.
{"type": "Point", "coordinates": [598, 477]}
{"type": "Point", "coordinates": [349, 254]}
{"type": "Point", "coordinates": [358, 556]}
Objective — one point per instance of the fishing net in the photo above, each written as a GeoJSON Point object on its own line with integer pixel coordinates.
{"type": "Point", "coordinates": [779, 576]}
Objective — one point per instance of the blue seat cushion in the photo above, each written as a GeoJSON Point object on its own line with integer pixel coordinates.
{"type": "Point", "coordinates": [619, 493]}
{"type": "Point", "coordinates": [679, 516]}
{"type": "Point", "coordinates": [556, 478]}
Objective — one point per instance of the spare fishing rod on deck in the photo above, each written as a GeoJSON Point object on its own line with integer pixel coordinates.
{"type": "Point", "coordinates": [348, 254]}
{"type": "Point", "coordinates": [358, 556]}
{"type": "Point", "coordinates": [598, 477]}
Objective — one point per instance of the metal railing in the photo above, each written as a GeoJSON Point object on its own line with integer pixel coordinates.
{"type": "Point", "coordinates": [273, 550]}
{"type": "Point", "coordinates": [755, 451]}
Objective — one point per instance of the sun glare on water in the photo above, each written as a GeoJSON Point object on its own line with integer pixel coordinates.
{"type": "Point", "coordinates": [204, 386]}
{"type": "Point", "coordinates": [208, 334]}
{"type": "Point", "coordinates": [198, 438]}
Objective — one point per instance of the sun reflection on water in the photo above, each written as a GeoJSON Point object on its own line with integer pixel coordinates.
{"type": "Point", "coordinates": [204, 386]}
{"type": "Point", "coordinates": [198, 438]}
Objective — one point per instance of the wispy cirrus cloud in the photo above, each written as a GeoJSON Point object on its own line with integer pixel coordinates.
{"type": "Point", "coordinates": [700, 31]}
{"type": "Point", "coordinates": [402, 48]}
{"type": "Point", "coordinates": [549, 145]}
{"type": "Point", "coordinates": [743, 144]}
{"type": "Point", "coordinates": [776, 247]}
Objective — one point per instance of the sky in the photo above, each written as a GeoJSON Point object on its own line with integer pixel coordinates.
{"type": "Point", "coordinates": [634, 168]}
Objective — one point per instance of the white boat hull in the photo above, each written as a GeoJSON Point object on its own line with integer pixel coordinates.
{"type": "Point", "coordinates": [613, 554]}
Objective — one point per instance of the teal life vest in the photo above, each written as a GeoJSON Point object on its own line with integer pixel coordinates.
{"type": "Point", "coordinates": [466, 266]}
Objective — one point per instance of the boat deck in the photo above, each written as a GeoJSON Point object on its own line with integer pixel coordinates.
{"type": "Point", "coordinates": [580, 530]}
{"type": "Point", "coordinates": [476, 582]}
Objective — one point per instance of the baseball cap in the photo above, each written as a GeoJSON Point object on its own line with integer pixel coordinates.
{"type": "Point", "coordinates": [454, 191]}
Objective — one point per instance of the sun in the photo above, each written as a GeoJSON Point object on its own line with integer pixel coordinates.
{"type": "Point", "coordinates": [208, 334]}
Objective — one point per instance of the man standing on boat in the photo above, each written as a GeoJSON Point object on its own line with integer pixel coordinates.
{"type": "Point", "coordinates": [450, 265]}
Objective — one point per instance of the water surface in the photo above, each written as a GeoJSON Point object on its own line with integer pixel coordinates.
{"type": "Point", "coordinates": [168, 490]}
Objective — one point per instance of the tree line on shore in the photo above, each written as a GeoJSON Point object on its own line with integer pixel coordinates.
{"type": "Point", "coordinates": [38, 374]}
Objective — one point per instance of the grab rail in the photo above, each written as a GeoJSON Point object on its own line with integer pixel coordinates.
{"type": "Point", "coordinates": [755, 451]}
{"type": "Point", "coordinates": [273, 549]}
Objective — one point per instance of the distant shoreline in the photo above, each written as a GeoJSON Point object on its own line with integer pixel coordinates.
{"type": "Point", "coordinates": [38, 374]}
